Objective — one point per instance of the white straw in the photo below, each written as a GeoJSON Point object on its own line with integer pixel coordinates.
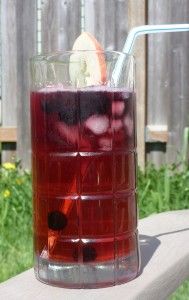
{"type": "Point", "coordinates": [140, 30]}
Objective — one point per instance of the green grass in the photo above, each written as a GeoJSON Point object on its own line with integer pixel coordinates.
{"type": "Point", "coordinates": [162, 189]}
{"type": "Point", "coordinates": [15, 221]}
{"type": "Point", "coordinates": [158, 190]}
{"type": "Point", "coordinates": [182, 293]}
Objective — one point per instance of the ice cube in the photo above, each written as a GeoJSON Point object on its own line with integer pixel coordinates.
{"type": "Point", "coordinates": [68, 133]}
{"type": "Point", "coordinates": [128, 122]}
{"type": "Point", "coordinates": [118, 108]}
{"type": "Point", "coordinates": [105, 143]}
{"type": "Point", "coordinates": [117, 124]}
{"type": "Point", "coordinates": [97, 124]}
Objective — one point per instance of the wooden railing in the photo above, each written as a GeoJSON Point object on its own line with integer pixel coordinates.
{"type": "Point", "coordinates": [8, 134]}
{"type": "Point", "coordinates": [164, 248]}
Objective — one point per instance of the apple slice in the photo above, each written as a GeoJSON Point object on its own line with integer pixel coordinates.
{"type": "Point", "coordinates": [87, 67]}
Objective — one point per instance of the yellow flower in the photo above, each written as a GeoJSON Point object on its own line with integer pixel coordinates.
{"type": "Point", "coordinates": [19, 181]}
{"type": "Point", "coordinates": [6, 193]}
{"type": "Point", "coordinates": [9, 166]}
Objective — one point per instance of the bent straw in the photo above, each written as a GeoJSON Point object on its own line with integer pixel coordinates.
{"type": "Point", "coordinates": [134, 33]}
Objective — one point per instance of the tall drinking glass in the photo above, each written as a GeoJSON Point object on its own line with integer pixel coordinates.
{"type": "Point", "coordinates": [84, 171]}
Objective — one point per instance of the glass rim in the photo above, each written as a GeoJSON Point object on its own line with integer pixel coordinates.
{"type": "Point", "coordinates": [53, 56]}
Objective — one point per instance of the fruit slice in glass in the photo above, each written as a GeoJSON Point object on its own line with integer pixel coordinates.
{"type": "Point", "coordinates": [85, 69]}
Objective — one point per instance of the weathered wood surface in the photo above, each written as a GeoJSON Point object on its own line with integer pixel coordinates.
{"type": "Point", "coordinates": [108, 21]}
{"type": "Point", "coordinates": [136, 17]}
{"type": "Point", "coordinates": [8, 134]}
{"type": "Point", "coordinates": [60, 24]}
{"type": "Point", "coordinates": [164, 247]}
{"type": "Point", "coordinates": [156, 133]}
{"type": "Point", "coordinates": [9, 71]}
{"type": "Point", "coordinates": [26, 48]}
{"type": "Point", "coordinates": [168, 72]}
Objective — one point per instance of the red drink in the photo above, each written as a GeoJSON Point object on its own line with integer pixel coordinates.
{"type": "Point", "coordinates": [83, 156]}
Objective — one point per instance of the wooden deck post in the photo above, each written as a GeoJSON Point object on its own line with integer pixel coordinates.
{"type": "Point", "coordinates": [136, 17]}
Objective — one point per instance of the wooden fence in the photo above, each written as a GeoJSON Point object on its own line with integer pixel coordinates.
{"type": "Point", "coordinates": [28, 27]}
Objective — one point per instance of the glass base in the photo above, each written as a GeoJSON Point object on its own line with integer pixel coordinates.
{"type": "Point", "coordinates": [90, 275]}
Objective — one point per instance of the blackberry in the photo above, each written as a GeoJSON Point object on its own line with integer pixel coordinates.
{"type": "Point", "coordinates": [68, 115]}
{"type": "Point", "coordinates": [69, 105]}
{"type": "Point", "coordinates": [50, 103]}
{"type": "Point", "coordinates": [93, 103]}
{"type": "Point", "coordinates": [65, 104]}
{"type": "Point", "coordinates": [57, 220]}
{"type": "Point", "coordinates": [88, 253]}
